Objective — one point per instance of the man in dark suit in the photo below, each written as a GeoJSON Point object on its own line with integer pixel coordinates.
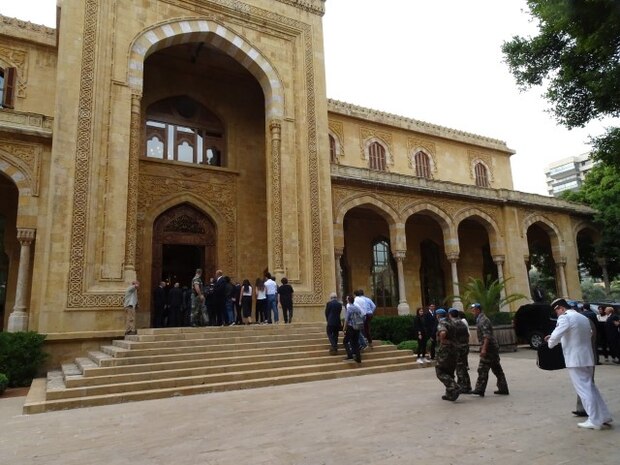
{"type": "Point", "coordinates": [159, 305]}
{"type": "Point", "coordinates": [332, 315]}
{"type": "Point", "coordinates": [219, 298]}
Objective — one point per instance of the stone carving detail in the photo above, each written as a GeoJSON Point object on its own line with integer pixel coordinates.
{"type": "Point", "coordinates": [312, 6]}
{"type": "Point", "coordinates": [17, 59]}
{"type": "Point", "coordinates": [485, 158]}
{"type": "Point", "coordinates": [367, 133]}
{"type": "Point", "coordinates": [26, 158]}
{"type": "Point", "coordinates": [276, 189]}
{"type": "Point", "coordinates": [416, 143]}
{"type": "Point", "coordinates": [217, 190]}
{"type": "Point", "coordinates": [184, 224]}
{"type": "Point", "coordinates": [77, 298]}
{"type": "Point", "coordinates": [337, 128]}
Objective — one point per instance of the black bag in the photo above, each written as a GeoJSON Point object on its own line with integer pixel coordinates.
{"type": "Point", "coordinates": [550, 359]}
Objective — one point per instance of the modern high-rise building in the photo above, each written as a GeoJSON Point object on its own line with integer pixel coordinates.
{"type": "Point", "coordinates": [567, 173]}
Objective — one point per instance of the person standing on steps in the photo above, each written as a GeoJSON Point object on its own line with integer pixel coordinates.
{"type": "Point", "coordinates": [489, 355]}
{"type": "Point", "coordinates": [130, 302]}
{"type": "Point", "coordinates": [333, 309]}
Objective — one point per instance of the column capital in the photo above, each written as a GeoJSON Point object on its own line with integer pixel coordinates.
{"type": "Point", "coordinates": [499, 259]}
{"type": "Point", "coordinates": [452, 257]}
{"type": "Point", "coordinates": [560, 262]}
{"type": "Point", "coordinates": [399, 255]}
{"type": "Point", "coordinates": [275, 126]}
{"type": "Point", "coordinates": [338, 251]}
{"type": "Point", "coordinates": [26, 235]}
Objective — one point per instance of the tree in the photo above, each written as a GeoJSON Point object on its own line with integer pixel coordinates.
{"type": "Point", "coordinates": [488, 293]}
{"type": "Point", "coordinates": [601, 191]}
{"type": "Point", "coordinates": [576, 55]}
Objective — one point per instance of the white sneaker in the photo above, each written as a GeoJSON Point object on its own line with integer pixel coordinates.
{"type": "Point", "coordinates": [589, 425]}
{"type": "Point", "coordinates": [420, 360]}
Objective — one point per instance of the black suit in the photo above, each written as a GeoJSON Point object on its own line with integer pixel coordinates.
{"type": "Point", "coordinates": [332, 315]}
{"type": "Point", "coordinates": [159, 304]}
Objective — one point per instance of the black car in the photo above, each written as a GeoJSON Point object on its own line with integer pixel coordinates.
{"type": "Point", "coordinates": [532, 322]}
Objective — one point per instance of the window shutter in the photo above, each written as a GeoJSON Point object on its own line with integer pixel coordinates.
{"type": "Point", "coordinates": [10, 77]}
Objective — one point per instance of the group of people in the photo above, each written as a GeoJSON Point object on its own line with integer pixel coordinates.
{"type": "Point", "coordinates": [451, 335]}
{"type": "Point", "coordinates": [607, 332]}
{"type": "Point", "coordinates": [219, 302]}
{"type": "Point", "coordinates": [222, 302]}
{"type": "Point", "coordinates": [356, 324]}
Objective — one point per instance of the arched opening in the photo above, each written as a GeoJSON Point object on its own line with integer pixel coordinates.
{"type": "Point", "coordinates": [184, 238]}
{"type": "Point", "coordinates": [475, 259]}
{"type": "Point", "coordinates": [426, 267]}
{"type": "Point", "coordinates": [541, 266]}
{"type": "Point", "coordinates": [367, 260]}
{"type": "Point", "coordinates": [9, 247]}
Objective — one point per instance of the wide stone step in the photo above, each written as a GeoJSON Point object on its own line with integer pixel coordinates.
{"type": "Point", "coordinates": [222, 332]}
{"type": "Point", "coordinates": [214, 366]}
{"type": "Point", "coordinates": [139, 342]}
{"type": "Point", "coordinates": [117, 351]}
{"type": "Point", "coordinates": [267, 329]}
{"type": "Point", "coordinates": [39, 406]}
{"type": "Point", "coordinates": [231, 376]}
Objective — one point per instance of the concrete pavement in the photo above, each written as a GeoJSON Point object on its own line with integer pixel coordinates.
{"type": "Point", "coordinates": [392, 418]}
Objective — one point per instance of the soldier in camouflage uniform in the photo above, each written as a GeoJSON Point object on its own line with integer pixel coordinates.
{"type": "Point", "coordinates": [446, 355]}
{"type": "Point", "coordinates": [489, 355]}
{"type": "Point", "coordinates": [462, 351]}
{"type": "Point", "coordinates": [198, 300]}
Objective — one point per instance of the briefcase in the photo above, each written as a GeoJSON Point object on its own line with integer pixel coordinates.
{"type": "Point", "coordinates": [550, 359]}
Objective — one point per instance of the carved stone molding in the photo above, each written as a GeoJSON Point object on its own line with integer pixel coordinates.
{"type": "Point", "coordinates": [16, 58]}
{"type": "Point", "coordinates": [26, 159]}
{"type": "Point", "coordinates": [367, 134]}
{"type": "Point", "coordinates": [427, 146]}
{"type": "Point", "coordinates": [483, 157]}
{"type": "Point", "coordinates": [15, 27]}
{"type": "Point", "coordinates": [26, 236]}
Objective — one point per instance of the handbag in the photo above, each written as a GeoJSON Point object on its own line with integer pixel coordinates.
{"type": "Point", "coordinates": [550, 359]}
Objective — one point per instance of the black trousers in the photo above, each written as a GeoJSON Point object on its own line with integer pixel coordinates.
{"type": "Point", "coordinates": [352, 343]}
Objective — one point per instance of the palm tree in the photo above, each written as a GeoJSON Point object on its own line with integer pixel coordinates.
{"type": "Point", "coordinates": [488, 293]}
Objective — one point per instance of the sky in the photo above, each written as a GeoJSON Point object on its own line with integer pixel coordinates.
{"type": "Point", "coordinates": [438, 61]}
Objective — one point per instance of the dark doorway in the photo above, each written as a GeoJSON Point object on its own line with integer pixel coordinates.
{"type": "Point", "coordinates": [179, 262]}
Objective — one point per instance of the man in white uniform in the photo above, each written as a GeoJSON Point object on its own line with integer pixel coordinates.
{"type": "Point", "coordinates": [574, 332]}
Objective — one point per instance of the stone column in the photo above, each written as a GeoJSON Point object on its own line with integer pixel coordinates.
{"type": "Point", "coordinates": [338, 251]}
{"type": "Point", "coordinates": [18, 319]}
{"type": "Point", "coordinates": [403, 306]}
{"type": "Point", "coordinates": [499, 262]}
{"type": "Point", "coordinates": [275, 129]}
{"type": "Point", "coordinates": [135, 145]}
{"type": "Point", "coordinates": [453, 258]}
{"type": "Point", "coordinates": [559, 265]}
{"type": "Point", "coordinates": [602, 261]}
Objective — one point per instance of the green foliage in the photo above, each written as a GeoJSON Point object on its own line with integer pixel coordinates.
{"type": "Point", "coordinates": [21, 356]}
{"type": "Point", "coordinates": [395, 329]}
{"type": "Point", "coordinates": [408, 345]}
{"type": "Point", "coordinates": [4, 382]}
{"type": "Point", "coordinates": [601, 190]}
{"type": "Point", "coordinates": [488, 293]}
{"type": "Point", "coordinates": [592, 293]}
{"type": "Point", "coordinates": [502, 318]}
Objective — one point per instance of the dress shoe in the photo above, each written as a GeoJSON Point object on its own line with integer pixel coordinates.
{"type": "Point", "coordinates": [579, 414]}
{"type": "Point", "coordinates": [589, 425]}
{"type": "Point", "coordinates": [501, 393]}
{"type": "Point", "coordinates": [477, 393]}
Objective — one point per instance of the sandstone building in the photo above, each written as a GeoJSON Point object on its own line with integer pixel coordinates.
{"type": "Point", "coordinates": [144, 139]}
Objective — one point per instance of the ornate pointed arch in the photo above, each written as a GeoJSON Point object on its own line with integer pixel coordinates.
{"type": "Point", "coordinates": [185, 30]}
{"type": "Point", "coordinates": [556, 238]}
{"type": "Point", "coordinates": [446, 223]}
{"type": "Point", "coordinates": [496, 240]}
{"type": "Point", "coordinates": [21, 163]}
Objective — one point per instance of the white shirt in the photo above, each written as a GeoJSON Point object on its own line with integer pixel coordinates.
{"type": "Point", "coordinates": [271, 288]}
{"type": "Point", "coordinates": [574, 332]}
{"type": "Point", "coordinates": [365, 304]}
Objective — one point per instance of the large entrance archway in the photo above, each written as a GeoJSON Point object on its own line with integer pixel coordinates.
{"type": "Point", "coordinates": [9, 247]}
{"type": "Point", "coordinates": [184, 238]}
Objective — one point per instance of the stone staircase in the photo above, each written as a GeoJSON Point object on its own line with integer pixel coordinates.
{"type": "Point", "coordinates": [168, 362]}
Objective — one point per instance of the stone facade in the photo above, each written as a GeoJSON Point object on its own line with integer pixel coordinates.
{"type": "Point", "coordinates": [97, 152]}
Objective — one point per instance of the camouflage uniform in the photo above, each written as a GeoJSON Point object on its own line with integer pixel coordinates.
{"type": "Point", "coordinates": [446, 360]}
{"type": "Point", "coordinates": [491, 359]}
{"type": "Point", "coordinates": [198, 305]}
{"type": "Point", "coordinates": [462, 352]}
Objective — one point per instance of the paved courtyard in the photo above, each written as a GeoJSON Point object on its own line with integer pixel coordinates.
{"type": "Point", "coordinates": [394, 418]}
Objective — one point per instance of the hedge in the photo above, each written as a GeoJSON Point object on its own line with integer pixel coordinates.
{"type": "Point", "coordinates": [21, 356]}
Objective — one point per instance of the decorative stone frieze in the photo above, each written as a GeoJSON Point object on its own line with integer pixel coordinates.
{"type": "Point", "coordinates": [30, 124]}
{"type": "Point", "coordinates": [20, 29]}
{"type": "Point", "coordinates": [18, 59]}
{"type": "Point", "coordinates": [25, 160]}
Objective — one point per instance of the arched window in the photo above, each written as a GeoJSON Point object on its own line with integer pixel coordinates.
{"type": "Point", "coordinates": [422, 165]}
{"type": "Point", "coordinates": [332, 149]}
{"type": "Point", "coordinates": [482, 175]}
{"type": "Point", "coordinates": [383, 275]}
{"type": "Point", "coordinates": [7, 87]}
{"type": "Point", "coordinates": [376, 156]}
{"type": "Point", "coordinates": [181, 129]}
